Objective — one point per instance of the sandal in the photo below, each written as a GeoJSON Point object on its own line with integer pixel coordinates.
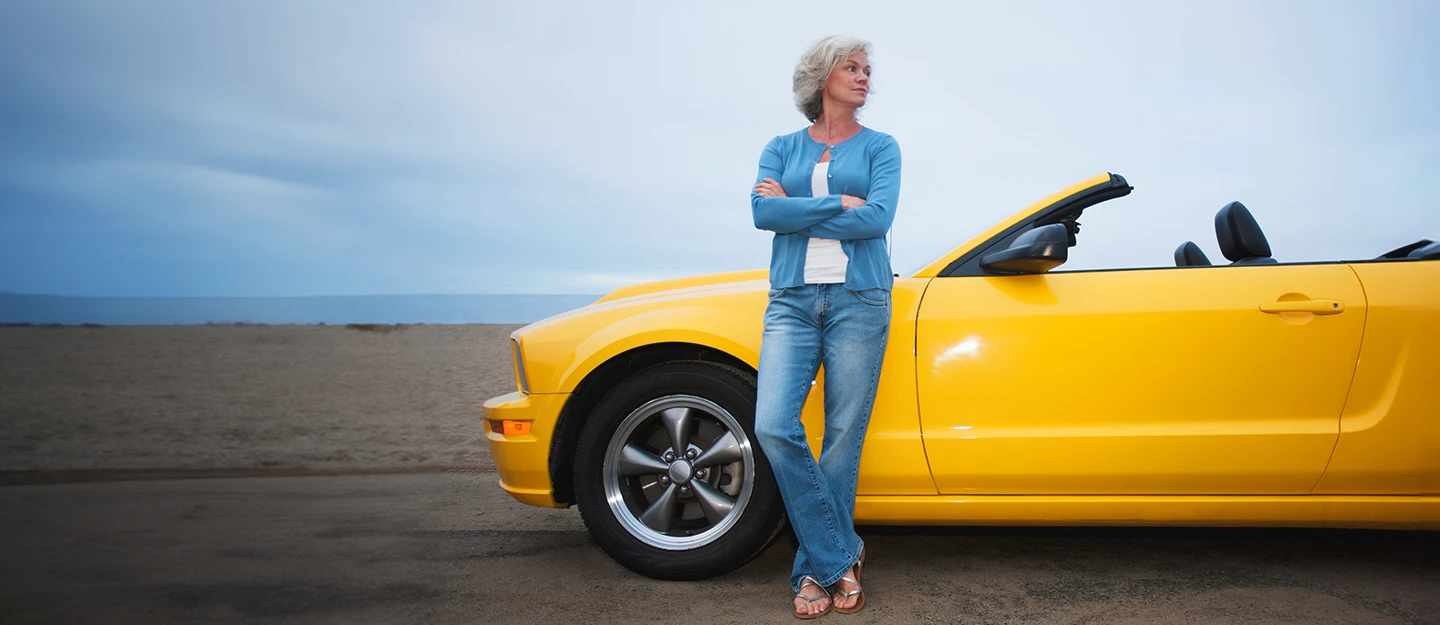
{"type": "Point", "coordinates": [810, 581]}
{"type": "Point", "coordinates": [860, 600]}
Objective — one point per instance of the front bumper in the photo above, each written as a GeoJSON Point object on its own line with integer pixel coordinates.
{"type": "Point", "coordinates": [524, 460]}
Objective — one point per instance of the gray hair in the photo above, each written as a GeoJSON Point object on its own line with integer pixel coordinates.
{"type": "Point", "coordinates": [815, 66]}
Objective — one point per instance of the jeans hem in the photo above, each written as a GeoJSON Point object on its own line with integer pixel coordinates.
{"type": "Point", "coordinates": [853, 559]}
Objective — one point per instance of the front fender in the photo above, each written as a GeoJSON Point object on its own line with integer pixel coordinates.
{"type": "Point", "coordinates": [734, 332]}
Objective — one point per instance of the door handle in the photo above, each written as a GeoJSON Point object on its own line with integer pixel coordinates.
{"type": "Point", "coordinates": [1312, 306]}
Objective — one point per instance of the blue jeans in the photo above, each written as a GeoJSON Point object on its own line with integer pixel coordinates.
{"type": "Point", "coordinates": [845, 330]}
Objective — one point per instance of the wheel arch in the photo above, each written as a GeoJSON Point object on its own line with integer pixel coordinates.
{"type": "Point", "coordinates": [600, 380]}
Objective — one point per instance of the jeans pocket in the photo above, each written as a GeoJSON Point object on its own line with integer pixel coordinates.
{"type": "Point", "coordinates": [774, 293]}
{"type": "Point", "coordinates": [873, 297]}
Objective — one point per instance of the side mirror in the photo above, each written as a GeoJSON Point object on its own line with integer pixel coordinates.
{"type": "Point", "coordinates": [1037, 251]}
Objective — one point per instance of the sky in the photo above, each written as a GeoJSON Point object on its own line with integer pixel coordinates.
{"type": "Point", "coordinates": [264, 147]}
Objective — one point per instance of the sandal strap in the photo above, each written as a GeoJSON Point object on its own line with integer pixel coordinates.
{"type": "Point", "coordinates": [811, 581]}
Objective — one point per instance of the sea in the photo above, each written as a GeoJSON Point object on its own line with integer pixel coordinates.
{"type": "Point", "coordinates": [16, 309]}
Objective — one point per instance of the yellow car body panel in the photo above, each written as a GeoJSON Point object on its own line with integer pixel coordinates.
{"type": "Point", "coordinates": [523, 460]}
{"type": "Point", "coordinates": [661, 286]}
{"type": "Point", "coordinates": [1122, 390]}
{"type": "Point", "coordinates": [1167, 395]}
{"type": "Point", "coordinates": [561, 351]}
{"type": "Point", "coordinates": [1139, 510]}
{"type": "Point", "coordinates": [1390, 432]}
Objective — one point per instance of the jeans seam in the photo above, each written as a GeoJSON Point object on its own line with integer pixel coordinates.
{"type": "Point", "coordinates": [870, 400]}
{"type": "Point", "coordinates": [812, 467]}
{"type": "Point", "coordinates": [880, 304]}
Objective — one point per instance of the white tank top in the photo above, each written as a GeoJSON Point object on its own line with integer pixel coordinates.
{"type": "Point", "coordinates": [825, 260]}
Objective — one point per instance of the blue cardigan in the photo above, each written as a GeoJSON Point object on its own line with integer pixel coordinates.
{"type": "Point", "coordinates": [866, 166]}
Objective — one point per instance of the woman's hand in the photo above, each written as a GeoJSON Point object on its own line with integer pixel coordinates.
{"type": "Point", "coordinates": [770, 188]}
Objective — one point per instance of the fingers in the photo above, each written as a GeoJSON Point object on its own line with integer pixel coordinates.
{"type": "Point", "coordinates": [770, 188]}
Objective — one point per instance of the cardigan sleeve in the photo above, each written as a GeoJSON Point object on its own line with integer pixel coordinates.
{"type": "Point", "coordinates": [784, 215]}
{"type": "Point", "coordinates": [873, 219]}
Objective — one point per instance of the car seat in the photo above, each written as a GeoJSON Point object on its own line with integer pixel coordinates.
{"type": "Point", "coordinates": [1189, 255]}
{"type": "Point", "coordinates": [1241, 240]}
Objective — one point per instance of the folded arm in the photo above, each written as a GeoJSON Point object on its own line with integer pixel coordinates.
{"type": "Point", "coordinates": [784, 215]}
{"type": "Point", "coordinates": [874, 218]}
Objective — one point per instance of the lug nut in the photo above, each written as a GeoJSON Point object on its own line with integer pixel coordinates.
{"type": "Point", "coordinates": [691, 454]}
{"type": "Point", "coordinates": [669, 456]}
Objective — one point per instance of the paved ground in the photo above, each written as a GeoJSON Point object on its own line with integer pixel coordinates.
{"type": "Point", "coordinates": [450, 548]}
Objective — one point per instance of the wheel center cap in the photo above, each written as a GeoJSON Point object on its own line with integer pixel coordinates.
{"type": "Point", "coordinates": [680, 472]}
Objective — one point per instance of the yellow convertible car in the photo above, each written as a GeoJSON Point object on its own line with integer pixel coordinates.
{"type": "Point", "coordinates": [1249, 392]}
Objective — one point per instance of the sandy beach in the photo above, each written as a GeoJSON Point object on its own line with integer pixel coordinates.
{"type": "Point", "coordinates": [431, 539]}
{"type": "Point", "coordinates": [329, 398]}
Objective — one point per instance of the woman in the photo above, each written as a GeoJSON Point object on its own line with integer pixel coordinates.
{"type": "Point", "coordinates": [828, 192]}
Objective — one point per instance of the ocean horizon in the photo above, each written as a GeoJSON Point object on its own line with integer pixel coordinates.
{"type": "Point", "coordinates": [22, 309]}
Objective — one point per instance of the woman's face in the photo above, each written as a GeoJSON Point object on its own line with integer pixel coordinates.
{"type": "Point", "coordinates": [849, 82]}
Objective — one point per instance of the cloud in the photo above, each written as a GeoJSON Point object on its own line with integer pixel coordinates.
{"type": "Point", "coordinates": [326, 147]}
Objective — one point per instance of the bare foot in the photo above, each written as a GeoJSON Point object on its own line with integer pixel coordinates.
{"type": "Point", "coordinates": [812, 598]}
{"type": "Point", "coordinates": [843, 602]}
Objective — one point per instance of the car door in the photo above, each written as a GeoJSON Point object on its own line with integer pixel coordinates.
{"type": "Point", "coordinates": [1194, 380]}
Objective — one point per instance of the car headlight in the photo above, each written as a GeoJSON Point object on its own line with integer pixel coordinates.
{"type": "Point", "coordinates": [519, 361]}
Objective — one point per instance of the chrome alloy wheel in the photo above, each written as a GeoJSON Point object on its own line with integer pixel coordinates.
{"type": "Point", "coordinates": [678, 472]}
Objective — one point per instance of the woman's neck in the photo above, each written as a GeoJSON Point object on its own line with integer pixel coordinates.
{"type": "Point", "coordinates": [835, 124]}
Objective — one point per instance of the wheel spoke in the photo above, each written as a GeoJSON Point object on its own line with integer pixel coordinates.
{"type": "Point", "coordinates": [662, 511]}
{"type": "Point", "coordinates": [715, 503]}
{"type": "Point", "coordinates": [724, 451]}
{"type": "Point", "coordinates": [679, 422]}
{"type": "Point", "coordinates": [636, 461]}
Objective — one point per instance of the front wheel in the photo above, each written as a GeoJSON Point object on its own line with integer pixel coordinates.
{"type": "Point", "coordinates": [668, 476]}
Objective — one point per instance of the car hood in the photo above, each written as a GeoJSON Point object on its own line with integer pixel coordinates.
{"type": "Point", "coordinates": [663, 286]}
{"type": "Point", "coordinates": [649, 292]}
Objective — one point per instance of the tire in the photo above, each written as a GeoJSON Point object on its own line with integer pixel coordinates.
{"type": "Point", "coordinates": [627, 445]}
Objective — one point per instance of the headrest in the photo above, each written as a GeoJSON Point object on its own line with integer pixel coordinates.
{"type": "Point", "coordinates": [1189, 255]}
{"type": "Point", "coordinates": [1240, 237]}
